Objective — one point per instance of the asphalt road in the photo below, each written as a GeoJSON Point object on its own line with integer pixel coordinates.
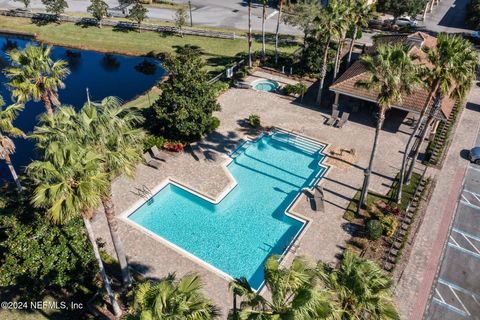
{"type": "Point", "coordinates": [447, 16]}
{"type": "Point", "coordinates": [214, 13]}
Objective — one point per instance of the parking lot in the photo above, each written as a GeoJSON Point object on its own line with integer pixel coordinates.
{"type": "Point", "coordinates": [456, 292]}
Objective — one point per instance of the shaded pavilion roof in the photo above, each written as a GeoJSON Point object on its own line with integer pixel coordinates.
{"type": "Point", "coordinates": [414, 102]}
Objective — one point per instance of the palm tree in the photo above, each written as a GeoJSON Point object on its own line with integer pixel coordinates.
{"type": "Point", "coordinates": [111, 128]}
{"type": "Point", "coordinates": [345, 10]}
{"type": "Point", "coordinates": [171, 299]}
{"type": "Point", "coordinates": [392, 74]}
{"type": "Point", "coordinates": [68, 182]}
{"type": "Point", "coordinates": [35, 76]}
{"type": "Point", "coordinates": [361, 12]}
{"type": "Point", "coordinates": [250, 39]}
{"type": "Point", "coordinates": [330, 24]}
{"type": "Point", "coordinates": [295, 294]}
{"type": "Point", "coordinates": [7, 147]}
{"type": "Point", "coordinates": [362, 290]}
{"type": "Point", "coordinates": [264, 17]}
{"type": "Point", "coordinates": [454, 65]}
{"type": "Point", "coordinates": [279, 18]}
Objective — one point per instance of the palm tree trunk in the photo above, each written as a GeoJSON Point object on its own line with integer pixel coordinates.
{"type": "Point", "coordinates": [337, 59]}
{"type": "Point", "coordinates": [13, 172]}
{"type": "Point", "coordinates": [264, 16]}
{"type": "Point", "coordinates": [47, 104]}
{"type": "Point", "coordinates": [250, 33]}
{"type": "Point", "coordinates": [277, 30]}
{"type": "Point", "coordinates": [410, 139]}
{"type": "Point", "coordinates": [431, 95]}
{"type": "Point", "coordinates": [352, 44]}
{"type": "Point", "coordinates": [363, 195]}
{"type": "Point", "coordinates": [323, 71]}
{"type": "Point", "coordinates": [106, 282]}
{"type": "Point", "coordinates": [406, 151]}
{"type": "Point", "coordinates": [109, 208]}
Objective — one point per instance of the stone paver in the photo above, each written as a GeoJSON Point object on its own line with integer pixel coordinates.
{"type": "Point", "coordinates": [414, 286]}
{"type": "Point", "coordinates": [326, 235]}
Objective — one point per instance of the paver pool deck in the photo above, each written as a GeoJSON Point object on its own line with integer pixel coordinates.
{"type": "Point", "coordinates": [201, 169]}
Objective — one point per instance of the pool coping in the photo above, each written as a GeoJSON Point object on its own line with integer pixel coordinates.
{"type": "Point", "coordinates": [289, 211]}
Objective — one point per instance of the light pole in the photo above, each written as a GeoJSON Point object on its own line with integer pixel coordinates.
{"type": "Point", "coordinates": [190, 9]}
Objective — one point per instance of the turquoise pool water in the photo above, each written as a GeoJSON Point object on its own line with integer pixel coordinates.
{"type": "Point", "coordinates": [266, 85]}
{"type": "Point", "coordinates": [249, 224]}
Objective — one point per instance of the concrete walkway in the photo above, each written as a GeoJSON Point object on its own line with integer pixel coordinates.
{"type": "Point", "coordinates": [415, 284]}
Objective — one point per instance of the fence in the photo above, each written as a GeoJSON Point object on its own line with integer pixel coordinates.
{"type": "Point", "coordinates": [119, 24]}
{"type": "Point", "coordinates": [224, 72]}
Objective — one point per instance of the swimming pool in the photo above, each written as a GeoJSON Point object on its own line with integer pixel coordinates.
{"type": "Point", "coordinates": [250, 223]}
{"type": "Point", "coordinates": [265, 85]}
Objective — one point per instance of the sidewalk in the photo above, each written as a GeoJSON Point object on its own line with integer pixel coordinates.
{"type": "Point", "coordinates": [413, 289]}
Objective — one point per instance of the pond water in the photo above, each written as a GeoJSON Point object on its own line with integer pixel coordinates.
{"type": "Point", "coordinates": [103, 74]}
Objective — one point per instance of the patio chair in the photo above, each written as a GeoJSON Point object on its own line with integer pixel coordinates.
{"type": "Point", "coordinates": [150, 161]}
{"type": "Point", "coordinates": [156, 152]}
{"type": "Point", "coordinates": [241, 85]}
{"type": "Point", "coordinates": [318, 198]}
{"type": "Point", "coordinates": [343, 120]}
{"type": "Point", "coordinates": [333, 118]}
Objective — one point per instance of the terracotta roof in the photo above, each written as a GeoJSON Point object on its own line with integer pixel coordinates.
{"type": "Point", "coordinates": [415, 102]}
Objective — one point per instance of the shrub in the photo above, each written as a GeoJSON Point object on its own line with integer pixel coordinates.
{"type": "Point", "coordinates": [173, 146]}
{"type": "Point", "coordinates": [254, 120]}
{"type": "Point", "coordinates": [214, 124]}
{"type": "Point", "coordinates": [374, 229]}
{"type": "Point", "coordinates": [220, 87]}
{"type": "Point", "coordinates": [151, 141]}
{"type": "Point", "coordinates": [389, 225]}
{"type": "Point", "coordinates": [295, 89]}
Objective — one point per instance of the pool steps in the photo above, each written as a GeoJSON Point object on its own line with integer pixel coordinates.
{"type": "Point", "coordinates": [305, 144]}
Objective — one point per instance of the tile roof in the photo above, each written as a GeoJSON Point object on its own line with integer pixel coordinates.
{"type": "Point", "coordinates": [415, 102]}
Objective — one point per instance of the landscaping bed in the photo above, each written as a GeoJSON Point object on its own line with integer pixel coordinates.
{"type": "Point", "coordinates": [381, 229]}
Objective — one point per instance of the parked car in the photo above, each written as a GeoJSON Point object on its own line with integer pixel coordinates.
{"type": "Point", "coordinates": [406, 22]}
{"type": "Point", "coordinates": [474, 155]}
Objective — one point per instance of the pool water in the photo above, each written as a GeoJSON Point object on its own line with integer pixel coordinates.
{"type": "Point", "coordinates": [266, 85]}
{"type": "Point", "coordinates": [238, 234]}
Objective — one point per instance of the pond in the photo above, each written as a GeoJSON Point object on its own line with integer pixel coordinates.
{"type": "Point", "coordinates": [103, 74]}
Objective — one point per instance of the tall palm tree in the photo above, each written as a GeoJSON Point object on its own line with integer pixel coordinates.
{"type": "Point", "coordinates": [111, 128]}
{"type": "Point", "coordinates": [68, 179]}
{"type": "Point", "coordinates": [454, 65]}
{"type": "Point", "coordinates": [362, 289]}
{"type": "Point", "coordinates": [264, 18]}
{"type": "Point", "coordinates": [361, 12]}
{"type": "Point", "coordinates": [295, 294]}
{"type": "Point", "coordinates": [392, 74]}
{"type": "Point", "coordinates": [250, 39]}
{"type": "Point", "coordinates": [329, 25]}
{"type": "Point", "coordinates": [172, 299]}
{"type": "Point", "coordinates": [7, 147]}
{"type": "Point", "coordinates": [344, 10]}
{"type": "Point", "coordinates": [33, 75]}
{"type": "Point", "coordinates": [277, 31]}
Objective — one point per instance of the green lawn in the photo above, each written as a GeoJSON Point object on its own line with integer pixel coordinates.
{"type": "Point", "coordinates": [217, 52]}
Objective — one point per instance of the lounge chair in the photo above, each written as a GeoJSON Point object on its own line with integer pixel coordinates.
{"type": "Point", "coordinates": [241, 85]}
{"type": "Point", "coordinates": [150, 161]}
{"type": "Point", "coordinates": [318, 198]}
{"type": "Point", "coordinates": [333, 118]}
{"type": "Point", "coordinates": [343, 119]}
{"type": "Point", "coordinates": [156, 152]}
